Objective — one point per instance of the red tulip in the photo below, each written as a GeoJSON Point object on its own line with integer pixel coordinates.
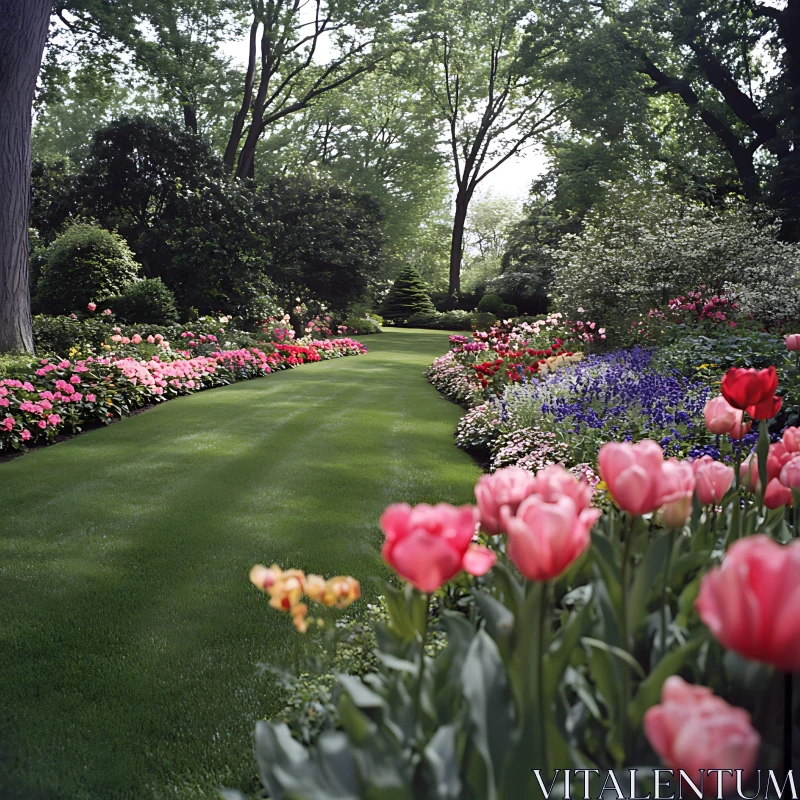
{"type": "Point", "coordinates": [692, 728]}
{"type": "Point", "coordinates": [428, 545]}
{"type": "Point", "coordinates": [712, 480]}
{"type": "Point", "coordinates": [766, 409]}
{"type": "Point", "coordinates": [545, 538]}
{"type": "Point", "coordinates": [751, 603]}
{"type": "Point", "coordinates": [633, 474]}
{"type": "Point", "coordinates": [749, 387]}
{"type": "Point", "coordinates": [506, 487]}
{"type": "Point", "coordinates": [793, 342]}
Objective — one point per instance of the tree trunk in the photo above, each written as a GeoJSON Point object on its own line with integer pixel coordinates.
{"type": "Point", "coordinates": [190, 117]}
{"type": "Point", "coordinates": [457, 247]}
{"type": "Point", "coordinates": [247, 98]}
{"type": "Point", "coordinates": [23, 32]}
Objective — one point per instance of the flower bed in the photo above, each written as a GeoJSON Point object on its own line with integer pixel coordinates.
{"type": "Point", "coordinates": [61, 396]}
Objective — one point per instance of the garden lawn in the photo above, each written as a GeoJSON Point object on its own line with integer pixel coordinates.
{"type": "Point", "coordinates": [129, 632]}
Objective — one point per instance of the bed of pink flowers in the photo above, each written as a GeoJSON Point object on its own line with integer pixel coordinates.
{"type": "Point", "coordinates": [656, 627]}
{"type": "Point", "coordinates": [61, 396]}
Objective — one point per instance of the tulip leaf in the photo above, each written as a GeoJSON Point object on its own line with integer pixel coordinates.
{"type": "Point", "coordinates": [651, 566]}
{"type": "Point", "coordinates": [557, 660]}
{"type": "Point", "coordinates": [621, 654]}
{"type": "Point", "coordinates": [510, 588]}
{"type": "Point", "coordinates": [355, 724]}
{"type": "Point", "coordinates": [276, 750]}
{"type": "Point", "coordinates": [649, 690]}
{"type": "Point", "coordinates": [441, 761]}
{"type": "Point", "coordinates": [603, 553]}
{"type": "Point", "coordinates": [361, 695]}
{"type": "Point", "coordinates": [488, 700]}
{"type": "Point", "coordinates": [499, 620]}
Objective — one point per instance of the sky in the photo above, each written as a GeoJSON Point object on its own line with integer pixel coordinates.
{"type": "Point", "coordinates": [512, 179]}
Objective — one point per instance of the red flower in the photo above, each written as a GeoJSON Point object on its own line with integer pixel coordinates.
{"type": "Point", "coordinates": [746, 388]}
{"type": "Point", "coordinates": [766, 409]}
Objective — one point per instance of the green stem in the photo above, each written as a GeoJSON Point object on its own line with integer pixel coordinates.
{"type": "Point", "coordinates": [664, 588]}
{"type": "Point", "coordinates": [543, 619]}
{"type": "Point", "coordinates": [626, 550]}
{"type": "Point", "coordinates": [421, 669]}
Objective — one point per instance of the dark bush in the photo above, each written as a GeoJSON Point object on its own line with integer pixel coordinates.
{"type": "Point", "coordinates": [86, 263]}
{"type": "Point", "coordinates": [148, 301]}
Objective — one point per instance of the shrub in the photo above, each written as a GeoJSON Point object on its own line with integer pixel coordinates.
{"type": "Point", "coordinates": [362, 326]}
{"type": "Point", "coordinates": [408, 296]}
{"type": "Point", "coordinates": [86, 263]}
{"type": "Point", "coordinates": [652, 247]}
{"type": "Point", "coordinates": [446, 321]}
{"type": "Point", "coordinates": [145, 302]}
{"type": "Point", "coordinates": [61, 334]}
{"type": "Point", "coordinates": [494, 304]}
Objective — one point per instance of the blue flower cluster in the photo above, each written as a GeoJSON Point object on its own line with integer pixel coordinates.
{"type": "Point", "coordinates": [617, 396]}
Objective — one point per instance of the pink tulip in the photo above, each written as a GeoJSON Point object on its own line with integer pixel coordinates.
{"type": "Point", "coordinates": [793, 342]}
{"type": "Point", "coordinates": [429, 545]}
{"type": "Point", "coordinates": [712, 480]}
{"type": "Point", "coordinates": [693, 728]}
{"type": "Point", "coordinates": [633, 474]}
{"type": "Point", "coordinates": [791, 440]}
{"type": "Point", "coordinates": [751, 603]}
{"type": "Point", "coordinates": [790, 473]}
{"type": "Point", "coordinates": [506, 487]}
{"type": "Point", "coordinates": [545, 538]}
{"type": "Point", "coordinates": [677, 488]}
{"type": "Point", "coordinates": [725, 420]}
{"type": "Point", "coordinates": [554, 481]}
{"type": "Point", "coordinates": [777, 494]}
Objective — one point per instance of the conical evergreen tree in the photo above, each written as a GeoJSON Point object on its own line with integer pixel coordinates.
{"type": "Point", "coordinates": [407, 296]}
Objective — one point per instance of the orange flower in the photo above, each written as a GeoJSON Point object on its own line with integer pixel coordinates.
{"type": "Point", "coordinates": [299, 613]}
{"type": "Point", "coordinates": [341, 591]}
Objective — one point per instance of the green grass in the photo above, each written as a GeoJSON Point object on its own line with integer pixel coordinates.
{"type": "Point", "coordinates": [129, 633]}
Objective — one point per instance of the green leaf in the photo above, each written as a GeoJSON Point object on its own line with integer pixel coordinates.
{"type": "Point", "coordinates": [649, 690]}
{"type": "Point", "coordinates": [499, 620]}
{"type": "Point", "coordinates": [621, 654]}
{"type": "Point", "coordinates": [276, 749]}
{"type": "Point", "coordinates": [556, 661]}
{"type": "Point", "coordinates": [441, 761]}
{"type": "Point", "coordinates": [651, 566]}
{"type": "Point", "coordinates": [488, 700]}
{"type": "Point", "coordinates": [355, 724]}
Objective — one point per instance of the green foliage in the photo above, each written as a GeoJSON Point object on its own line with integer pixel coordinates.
{"type": "Point", "coordinates": [13, 364]}
{"type": "Point", "coordinates": [643, 247]}
{"type": "Point", "coordinates": [147, 301]}
{"type": "Point", "coordinates": [408, 296]}
{"type": "Point", "coordinates": [325, 239]}
{"type": "Point", "coordinates": [362, 326]}
{"type": "Point", "coordinates": [60, 334]}
{"type": "Point", "coordinates": [85, 264]}
{"type": "Point", "coordinates": [441, 321]}
{"type": "Point", "coordinates": [494, 304]}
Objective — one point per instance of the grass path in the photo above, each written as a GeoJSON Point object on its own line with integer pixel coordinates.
{"type": "Point", "coordinates": [129, 634]}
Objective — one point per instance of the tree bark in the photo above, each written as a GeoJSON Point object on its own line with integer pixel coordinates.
{"type": "Point", "coordinates": [457, 246]}
{"type": "Point", "coordinates": [23, 32]}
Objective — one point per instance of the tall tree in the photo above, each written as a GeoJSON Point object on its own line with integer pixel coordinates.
{"type": "Point", "coordinates": [23, 32]}
{"type": "Point", "coordinates": [286, 72]}
{"type": "Point", "coordinates": [493, 99]}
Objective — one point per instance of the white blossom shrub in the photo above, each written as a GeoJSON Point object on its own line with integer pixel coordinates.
{"type": "Point", "coordinates": [646, 247]}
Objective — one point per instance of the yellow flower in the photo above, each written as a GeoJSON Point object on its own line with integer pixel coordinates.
{"type": "Point", "coordinates": [341, 591]}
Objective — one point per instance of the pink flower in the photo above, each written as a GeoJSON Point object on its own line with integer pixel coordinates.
{"type": "Point", "coordinates": [633, 474]}
{"type": "Point", "coordinates": [712, 479]}
{"type": "Point", "coordinates": [429, 545]}
{"type": "Point", "coordinates": [92, 307]}
{"type": "Point", "coordinates": [107, 312]}
{"type": "Point", "coordinates": [693, 728]}
{"type": "Point", "coordinates": [791, 440]}
{"type": "Point", "coordinates": [136, 339]}
{"type": "Point", "coordinates": [116, 338]}
{"type": "Point", "coordinates": [790, 473]}
{"type": "Point", "coordinates": [544, 538]}
{"type": "Point", "coordinates": [90, 398]}
{"type": "Point", "coordinates": [54, 419]}
{"type": "Point", "coordinates": [723, 419]}
{"type": "Point", "coordinates": [751, 603]}
{"type": "Point", "coordinates": [125, 340]}
{"type": "Point", "coordinates": [9, 423]}
{"type": "Point", "coordinates": [25, 435]}
{"type": "Point", "coordinates": [506, 487]}
{"type": "Point", "coordinates": [74, 380]}
{"type": "Point", "coordinates": [151, 340]}
{"type": "Point", "coordinates": [42, 423]}
{"type": "Point", "coordinates": [777, 494]}
{"type": "Point", "coordinates": [793, 342]}
{"type": "Point", "coordinates": [677, 488]}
